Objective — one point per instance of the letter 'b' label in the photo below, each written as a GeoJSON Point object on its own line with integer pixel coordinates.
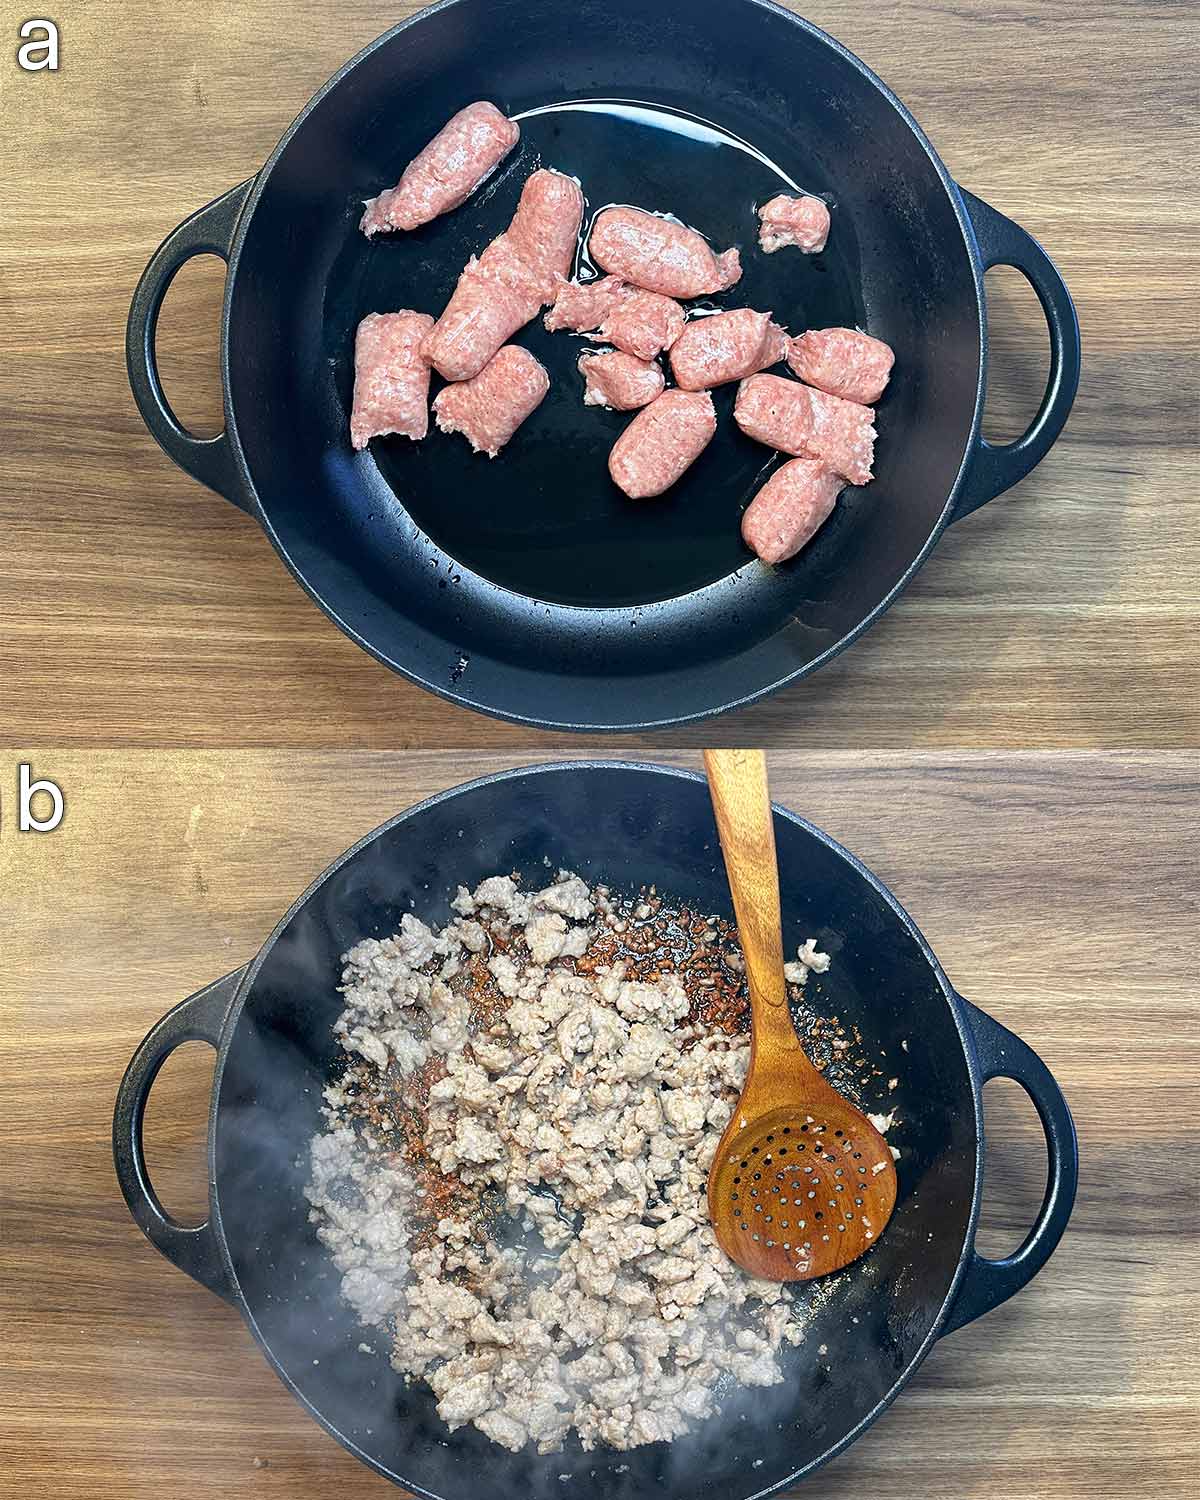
{"type": "Point", "coordinates": [27, 789]}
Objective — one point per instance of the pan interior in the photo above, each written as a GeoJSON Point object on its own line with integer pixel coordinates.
{"type": "Point", "coordinates": [514, 584]}
{"type": "Point", "coordinates": [628, 827]}
{"type": "Point", "coordinates": [545, 519]}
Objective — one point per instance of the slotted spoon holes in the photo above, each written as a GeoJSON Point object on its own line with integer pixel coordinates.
{"type": "Point", "coordinates": [791, 1159]}
{"type": "Point", "coordinates": [803, 1185]}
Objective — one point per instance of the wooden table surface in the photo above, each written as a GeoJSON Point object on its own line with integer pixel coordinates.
{"type": "Point", "coordinates": [139, 609]}
{"type": "Point", "coordinates": [1058, 890]}
{"type": "Point", "coordinates": [142, 615]}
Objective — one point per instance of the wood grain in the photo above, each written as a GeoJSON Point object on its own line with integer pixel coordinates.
{"type": "Point", "coordinates": [783, 1089]}
{"type": "Point", "coordinates": [1058, 890]}
{"type": "Point", "coordinates": [741, 800]}
{"type": "Point", "coordinates": [139, 609]}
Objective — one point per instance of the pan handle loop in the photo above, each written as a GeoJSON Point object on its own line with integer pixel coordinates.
{"type": "Point", "coordinates": [194, 1250]}
{"type": "Point", "coordinates": [988, 1283]}
{"type": "Point", "coordinates": [210, 231]}
{"type": "Point", "coordinates": [996, 467]}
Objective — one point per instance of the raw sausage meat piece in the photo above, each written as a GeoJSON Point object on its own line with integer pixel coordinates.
{"type": "Point", "coordinates": [545, 228]}
{"type": "Point", "coordinates": [581, 307]}
{"type": "Point", "coordinates": [660, 255]}
{"type": "Point", "coordinates": [641, 323]}
{"type": "Point", "coordinates": [467, 149]}
{"type": "Point", "coordinates": [391, 377]}
{"type": "Point", "coordinates": [495, 295]}
{"type": "Point", "coordinates": [619, 380]}
{"type": "Point", "coordinates": [790, 509]}
{"type": "Point", "coordinates": [843, 362]}
{"type": "Point", "coordinates": [514, 278]}
{"type": "Point", "coordinates": [726, 346]}
{"type": "Point", "coordinates": [488, 409]}
{"type": "Point", "coordinates": [662, 442]}
{"type": "Point", "coordinates": [808, 424]}
{"type": "Point", "coordinates": [803, 222]}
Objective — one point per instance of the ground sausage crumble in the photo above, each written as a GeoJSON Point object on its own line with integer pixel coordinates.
{"type": "Point", "coordinates": [512, 1178]}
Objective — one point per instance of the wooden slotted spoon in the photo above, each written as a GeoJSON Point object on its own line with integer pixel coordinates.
{"type": "Point", "coordinates": [802, 1182]}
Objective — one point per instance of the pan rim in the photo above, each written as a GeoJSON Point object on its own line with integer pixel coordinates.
{"type": "Point", "coordinates": [456, 693]}
{"type": "Point", "coordinates": [585, 765]}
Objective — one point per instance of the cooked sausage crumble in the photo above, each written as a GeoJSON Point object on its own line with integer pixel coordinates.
{"type": "Point", "coordinates": [512, 1181]}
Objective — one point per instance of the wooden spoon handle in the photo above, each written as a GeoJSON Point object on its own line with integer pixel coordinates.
{"type": "Point", "coordinates": [737, 780]}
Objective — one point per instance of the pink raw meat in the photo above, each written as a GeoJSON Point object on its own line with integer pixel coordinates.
{"type": "Point", "coordinates": [726, 346]}
{"type": "Point", "coordinates": [790, 509]}
{"type": "Point", "coordinates": [512, 280]}
{"type": "Point", "coordinates": [618, 380]}
{"type": "Point", "coordinates": [581, 307]}
{"type": "Point", "coordinates": [660, 255]}
{"type": "Point", "coordinates": [843, 362]}
{"type": "Point", "coordinates": [495, 296]}
{"type": "Point", "coordinates": [644, 323]}
{"type": "Point", "coordinates": [639, 322]}
{"type": "Point", "coordinates": [803, 222]}
{"type": "Point", "coordinates": [809, 424]}
{"type": "Point", "coordinates": [488, 409]}
{"type": "Point", "coordinates": [662, 442]}
{"type": "Point", "coordinates": [391, 377]}
{"type": "Point", "coordinates": [467, 149]}
{"type": "Point", "coordinates": [545, 228]}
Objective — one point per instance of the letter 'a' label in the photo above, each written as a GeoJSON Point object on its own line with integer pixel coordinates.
{"type": "Point", "coordinates": [38, 51]}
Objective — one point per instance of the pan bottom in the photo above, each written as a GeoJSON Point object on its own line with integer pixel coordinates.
{"type": "Point", "coordinates": [544, 520]}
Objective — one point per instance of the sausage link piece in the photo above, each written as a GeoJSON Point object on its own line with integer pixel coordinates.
{"type": "Point", "coordinates": [644, 324]}
{"type": "Point", "coordinates": [808, 424]}
{"type": "Point", "coordinates": [638, 322]}
{"type": "Point", "coordinates": [545, 228]}
{"type": "Point", "coordinates": [468, 148]}
{"type": "Point", "coordinates": [582, 306]}
{"type": "Point", "coordinates": [391, 377]}
{"type": "Point", "coordinates": [726, 346]}
{"type": "Point", "coordinates": [790, 509]}
{"type": "Point", "coordinates": [495, 296]}
{"type": "Point", "coordinates": [660, 255]}
{"type": "Point", "coordinates": [514, 278]}
{"type": "Point", "coordinates": [488, 409]}
{"type": "Point", "coordinates": [662, 442]}
{"type": "Point", "coordinates": [843, 362]}
{"type": "Point", "coordinates": [803, 222]}
{"type": "Point", "coordinates": [620, 381]}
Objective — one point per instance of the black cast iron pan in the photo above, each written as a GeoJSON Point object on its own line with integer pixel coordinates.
{"type": "Point", "coordinates": [529, 587]}
{"type": "Point", "coordinates": [627, 825]}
